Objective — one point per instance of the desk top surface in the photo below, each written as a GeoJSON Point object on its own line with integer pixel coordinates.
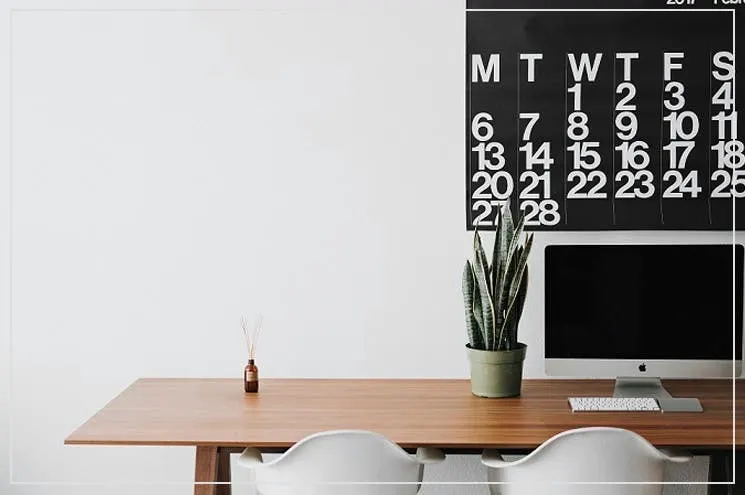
{"type": "Point", "coordinates": [411, 412]}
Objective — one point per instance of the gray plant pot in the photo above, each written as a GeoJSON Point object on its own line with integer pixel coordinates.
{"type": "Point", "coordinates": [496, 373]}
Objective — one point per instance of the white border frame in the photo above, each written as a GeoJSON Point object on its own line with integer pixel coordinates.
{"type": "Point", "coordinates": [12, 482]}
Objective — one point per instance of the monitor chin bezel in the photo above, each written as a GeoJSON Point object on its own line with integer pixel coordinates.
{"type": "Point", "coordinates": [654, 368]}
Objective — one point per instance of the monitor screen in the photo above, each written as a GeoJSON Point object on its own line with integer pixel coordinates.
{"type": "Point", "coordinates": [643, 302]}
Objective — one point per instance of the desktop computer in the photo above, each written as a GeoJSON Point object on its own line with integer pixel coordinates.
{"type": "Point", "coordinates": [639, 313]}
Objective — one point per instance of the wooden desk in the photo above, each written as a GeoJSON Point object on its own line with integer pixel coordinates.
{"type": "Point", "coordinates": [216, 417]}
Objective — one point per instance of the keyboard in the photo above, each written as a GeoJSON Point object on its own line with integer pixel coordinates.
{"type": "Point", "coordinates": [592, 404]}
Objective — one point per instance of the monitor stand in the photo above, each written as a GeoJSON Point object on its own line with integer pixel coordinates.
{"type": "Point", "coordinates": [652, 387]}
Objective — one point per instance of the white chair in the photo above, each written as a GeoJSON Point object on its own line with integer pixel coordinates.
{"type": "Point", "coordinates": [586, 455]}
{"type": "Point", "coordinates": [341, 462]}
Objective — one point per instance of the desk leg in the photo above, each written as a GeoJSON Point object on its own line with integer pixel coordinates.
{"type": "Point", "coordinates": [223, 473]}
{"type": "Point", "coordinates": [211, 466]}
{"type": "Point", "coordinates": [720, 469]}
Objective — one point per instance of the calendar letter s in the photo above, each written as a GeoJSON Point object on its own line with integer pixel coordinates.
{"type": "Point", "coordinates": [724, 61]}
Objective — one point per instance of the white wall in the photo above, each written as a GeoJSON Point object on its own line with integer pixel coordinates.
{"type": "Point", "coordinates": [172, 170]}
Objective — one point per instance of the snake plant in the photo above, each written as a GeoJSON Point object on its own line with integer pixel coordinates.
{"type": "Point", "coordinates": [494, 294]}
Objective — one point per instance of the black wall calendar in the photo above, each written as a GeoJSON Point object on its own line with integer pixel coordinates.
{"type": "Point", "coordinates": [622, 117]}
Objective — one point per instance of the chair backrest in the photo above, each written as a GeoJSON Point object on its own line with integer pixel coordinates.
{"type": "Point", "coordinates": [340, 462]}
{"type": "Point", "coordinates": [589, 456]}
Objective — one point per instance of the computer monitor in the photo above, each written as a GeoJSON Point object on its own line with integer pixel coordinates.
{"type": "Point", "coordinates": [635, 311]}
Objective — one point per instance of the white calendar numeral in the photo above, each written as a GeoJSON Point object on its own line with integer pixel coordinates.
{"type": "Point", "coordinates": [532, 119]}
{"type": "Point", "coordinates": [683, 129]}
{"type": "Point", "coordinates": [721, 118]}
{"type": "Point", "coordinates": [500, 184]}
{"type": "Point", "coordinates": [541, 156]}
{"type": "Point", "coordinates": [481, 128]}
{"type": "Point", "coordinates": [495, 161]}
{"type": "Point", "coordinates": [634, 154]}
{"type": "Point", "coordinates": [481, 216]}
{"type": "Point", "coordinates": [728, 181]}
{"type": "Point", "coordinates": [627, 125]}
{"type": "Point", "coordinates": [681, 185]}
{"type": "Point", "coordinates": [577, 130]}
{"type": "Point", "coordinates": [545, 212]}
{"type": "Point", "coordinates": [679, 122]}
{"type": "Point", "coordinates": [678, 160]}
{"type": "Point", "coordinates": [534, 180]}
{"type": "Point", "coordinates": [483, 211]}
{"type": "Point", "coordinates": [480, 192]}
{"type": "Point", "coordinates": [629, 179]}
{"type": "Point", "coordinates": [723, 96]}
{"type": "Point", "coordinates": [491, 182]}
{"type": "Point", "coordinates": [536, 190]}
{"type": "Point", "coordinates": [595, 179]}
{"type": "Point", "coordinates": [623, 104]}
{"type": "Point", "coordinates": [731, 184]}
{"type": "Point", "coordinates": [676, 89]}
{"type": "Point", "coordinates": [576, 90]}
{"type": "Point", "coordinates": [585, 156]}
{"type": "Point", "coordinates": [587, 182]}
{"type": "Point", "coordinates": [729, 154]}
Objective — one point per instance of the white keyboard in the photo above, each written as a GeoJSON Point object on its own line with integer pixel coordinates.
{"type": "Point", "coordinates": [613, 404]}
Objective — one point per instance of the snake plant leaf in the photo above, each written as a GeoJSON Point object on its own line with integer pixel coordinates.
{"type": "Point", "coordinates": [505, 231]}
{"type": "Point", "coordinates": [494, 295]}
{"type": "Point", "coordinates": [507, 247]}
{"type": "Point", "coordinates": [505, 299]}
{"type": "Point", "coordinates": [521, 266]}
{"type": "Point", "coordinates": [519, 304]}
{"type": "Point", "coordinates": [477, 310]}
{"type": "Point", "coordinates": [499, 253]}
{"type": "Point", "coordinates": [509, 276]}
{"type": "Point", "coordinates": [509, 272]}
{"type": "Point", "coordinates": [480, 254]}
{"type": "Point", "coordinates": [509, 226]}
{"type": "Point", "coordinates": [514, 240]}
{"type": "Point", "coordinates": [485, 306]}
{"type": "Point", "coordinates": [514, 313]}
{"type": "Point", "coordinates": [479, 270]}
{"type": "Point", "coordinates": [517, 233]}
{"type": "Point", "coordinates": [516, 263]}
{"type": "Point", "coordinates": [509, 333]}
{"type": "Point", "coordinates": [475, 335]}
{"type": "Point", "coordinates": [508, 233]}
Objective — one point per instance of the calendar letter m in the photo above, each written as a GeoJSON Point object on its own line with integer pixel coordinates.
{"type": "Point", "coordinates": [491, 71]}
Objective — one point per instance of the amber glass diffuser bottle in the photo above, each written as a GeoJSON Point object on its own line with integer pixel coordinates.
{"type": "Point", "coordinates": [251, 371]}
{"type": "Point", "coordinates": [251, 377]}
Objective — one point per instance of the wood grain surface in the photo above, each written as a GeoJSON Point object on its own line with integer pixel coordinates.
{"type": "Point", "coordinates": [205, 471]}
{"type": "Point", "coordinates": [411, 412]}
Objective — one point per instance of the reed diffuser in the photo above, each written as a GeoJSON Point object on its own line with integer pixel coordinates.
{"type": "Point", "coordinates": [251, 371]}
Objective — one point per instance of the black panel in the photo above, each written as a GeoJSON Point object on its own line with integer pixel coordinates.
{"type": "Point", "coordinates": [643, 301]}
{"type": "Point", "coordinates": [660, 195]}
